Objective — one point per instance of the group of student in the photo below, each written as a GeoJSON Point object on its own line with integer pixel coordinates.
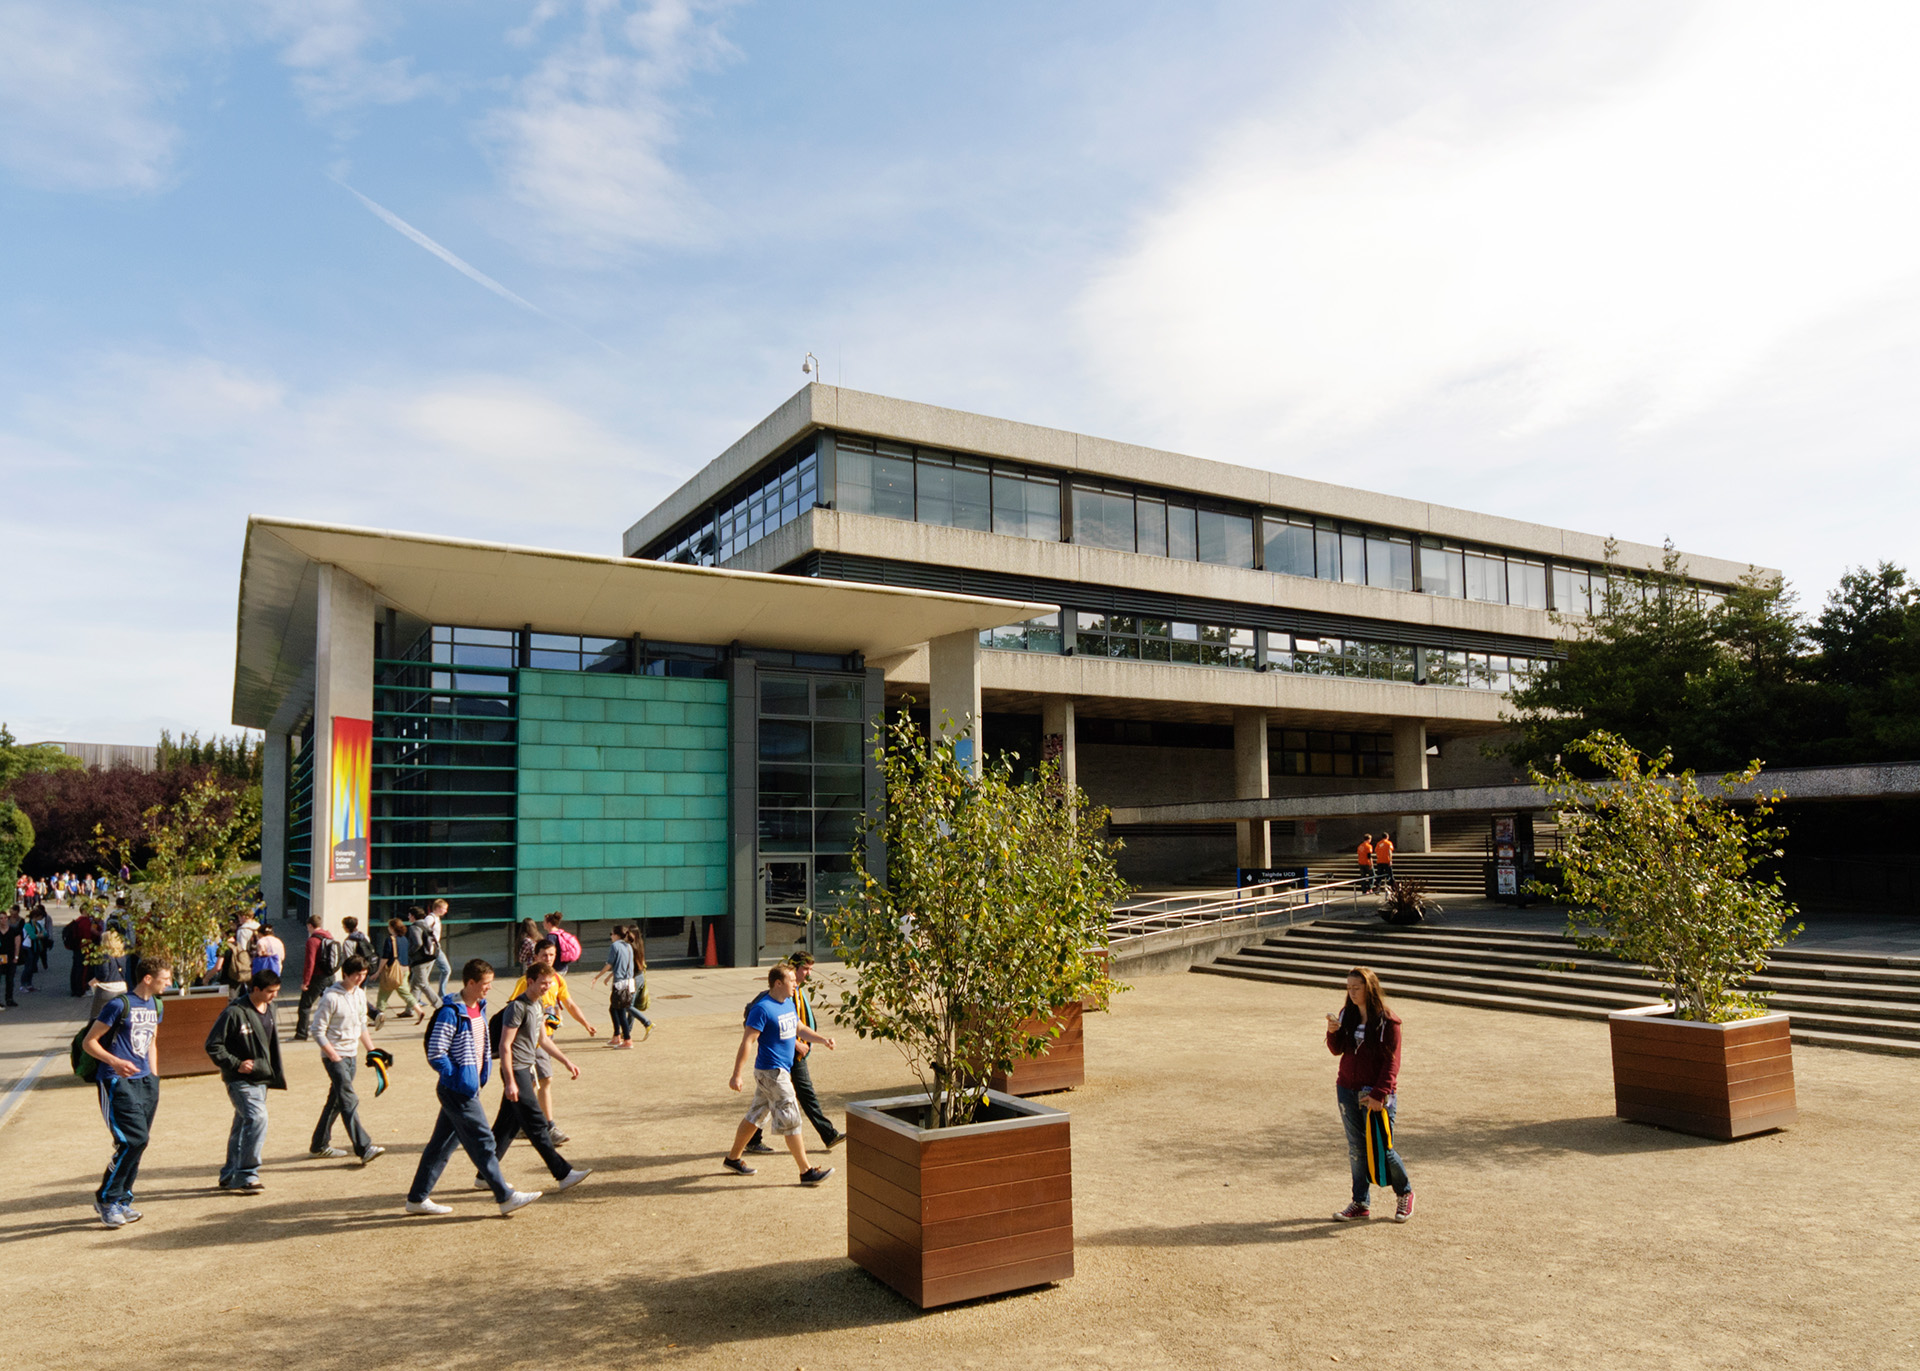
{"type": "Point", "coordinates": [1376, 861]}
{"type": "Point", "coordinates": [460, 1041]}
{"type": "Point", "coordinates": [26, 942]}
{"type": "Point", "coordinates": [63, 885]}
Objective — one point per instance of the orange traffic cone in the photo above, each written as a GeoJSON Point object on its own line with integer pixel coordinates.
{"type": "Point", "coordinates": [713, 949]}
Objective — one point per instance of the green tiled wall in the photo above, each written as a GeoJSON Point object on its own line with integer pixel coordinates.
{"type": "Point", "coordinates": [623, 796]}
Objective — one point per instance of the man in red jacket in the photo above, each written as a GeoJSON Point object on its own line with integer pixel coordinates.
{"type": "Point", "coordinates": [322, 964]}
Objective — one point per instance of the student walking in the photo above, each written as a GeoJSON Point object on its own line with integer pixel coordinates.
{"type": "Point", "coordinates": [436, 921]}
{"type": "Point", "coordinates": [1383, 861]}
{"type": "Point", "coordinates": [525, 1049]}
{"type": "Point", "coordinates": [1365, 1035]}
{"type": "Point", "coordinates": [803, 1091]}
{"type": "Point", "coordinates": [567, 946]}
{"type": "Point", "coordinates": [122, 1040]}
{"type": "Point", "coordinates": [773, 1027]}
{"type": "Point", "coordinates": [556, 998]}
{"type": "Point", "coordinates": [317, 972]}
{"type": "Point", "coordinates": [245, 1044]}
{"type": "Point", "coordinates": [1364, 854]}
{"type": "Point", "coordinates": [457, 1051]}
{"type": "Point", "coordinates": [393, 971]}
{"type": "Point", "coordinates": [340, 1029]}
{"type": "Point", "coordinates": [269, 953]}
{"type": "Point", "coordinates": [13, 944]}
{"type": "Point", "coordinates": [623, 972]}
{"type": "Point", "coordinates": [77, 937]}
{"type": "Point", "coordinates": [423, 946]}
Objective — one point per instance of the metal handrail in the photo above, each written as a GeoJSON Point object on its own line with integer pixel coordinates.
{"type": "Point", "coordinates": [1207, 907]}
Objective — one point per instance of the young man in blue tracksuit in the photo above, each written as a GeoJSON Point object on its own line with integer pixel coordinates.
{"type": "Point", "coordinates": [123, 1040]}
{"type": "Point", "coordinates": [457, 1050]}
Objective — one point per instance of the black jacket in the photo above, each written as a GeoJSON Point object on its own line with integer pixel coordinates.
{"type": "Point", "coordinates": [243, 1033]}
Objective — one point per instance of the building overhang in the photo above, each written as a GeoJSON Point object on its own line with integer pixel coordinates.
{"type": "Point", "coordinates": [498, 585]}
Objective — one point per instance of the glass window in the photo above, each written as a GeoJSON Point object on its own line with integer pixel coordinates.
{"type": "Point", "coordinates": [1527, 583]}
{"type": "Point", "coordinates": [1443, 570]}
{"type": "Point", "coordinates": [853, 477]}
{"type": "Point", "coordinates": [1570, 590]}
{"type": "Point", "coordinates": [1102, 518]}
{"type": "Point", "coordinates": [1032, 635]}
{"type": "Point", "coordinates": [1389, 560]}
{"type": "Point", "coordinates": [839, 787]}
{"type": "Point", "coordinates": [836, 743]}
{"type": "Point", "coordinates": [934, 498]}
{"type": "Point", "coordinates": [1026, 506]}
{"type": "Point", "coordinates": [1353, 558]}
{"type": "Point", "coordinates": [786, 787]}
{"type": "Point", "coordinates": [1486, 578]}
{"type": "Point", "coordinates": [1183, 540]}
{"type": "Point", "coordinates": [1225, 539]}
{"type": "Point", "coordinates": [783, 740]}
{"type": "Point", "coordinates": [972, 494]}
{"type": "Point", "coordinates": [1289, 544]}
{"type": "Point", "coordinates": [783, 695]}
{"type": "Point", "coordinates": [838, 699]}
{"type": "Point", "coordinates": [1150, 525]}
{"type": "Point", "coordinates": [893, 484]}
{"type": "Point", "coordinates": [1326, 545]}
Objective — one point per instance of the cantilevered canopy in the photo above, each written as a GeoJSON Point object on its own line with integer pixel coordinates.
{"type": "Point", "coordinates": [496, 585]}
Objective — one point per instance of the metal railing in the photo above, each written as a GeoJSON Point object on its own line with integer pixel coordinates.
{"type": "Point", "coordinates": [1229, 904]}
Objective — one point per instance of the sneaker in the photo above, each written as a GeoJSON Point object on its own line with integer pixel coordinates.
{"type": "Point", "coordinates": [834, 1141]}
{"type": "Point", "coordinates": [646, 1031]}
{"type": "Point", "coordinates": [814, 1175]}
{"type": "Point", "coordinates": [375, 1151]}
{"type": "Point", "coordinates": [518, 1199]}
{"type": "Point", "coordinates": [427, 1207]}
{"type": "Point", "coordinates": [1403, 1208]}
{"type": "Point", "coordinates": [129, 1214]}
{"type": "Point", "coordinates": [113, 1216]}
{"type": "Point", "coordinates": [328, 1153]}
{"type": "Point", "coordinates": [738, 1167]}
{"type": "Point", "coordinates": [223, 1184]}
{"type": "Point", "coordinates": [252, 1187]}
{"type": "Point", "coordinates": [759, 1149]}
{"type": "Point", "coordinates": [559, 1137]}
{"type": "Point", "coordinates": [98, 1208]}
{"type": "Point", "coordinates": [574, 1177]}
{"type": "Point", "coordinates": [1353, 1211]}
{"type": "Point", "coordinates": [481, 1183]}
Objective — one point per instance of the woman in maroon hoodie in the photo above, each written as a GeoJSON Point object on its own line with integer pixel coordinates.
{"type": "Point", "coordinates": [1365, 1035]}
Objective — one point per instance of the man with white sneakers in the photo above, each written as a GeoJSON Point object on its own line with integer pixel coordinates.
{"type": "Point", "coordinates": [457, 1050]}
{"type": "Point", "coordinates": [340, 1029]}
{"type": "Point", "coordinates": [524, 1046]}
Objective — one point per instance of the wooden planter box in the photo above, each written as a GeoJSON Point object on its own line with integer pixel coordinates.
{"type": "Point", "coordinates": [185, 1021]}
{"type": "Point", "coordinates": [1714, 1080]}
{"type": "Point", "coordinates": [1061, 1067]}
{"type": "Point", "coordinates": [948, 1214]}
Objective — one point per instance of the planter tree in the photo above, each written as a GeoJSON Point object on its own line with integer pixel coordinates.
{"type": "Point", "coordinates": [1666, 873]}
{"type": "Point", "coordinates": [991, 915]}
{"type": "Point", "coordinates": [195, 886]}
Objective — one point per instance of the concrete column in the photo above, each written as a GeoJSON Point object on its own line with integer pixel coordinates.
{"type": "Point", "coordinates": [953, 689]}
{"type": "Point", "coordinates": [275, 757]}
{"type": "Point", "coordinates": [343, 687]}
{"type": "Point", "coordinates": [1410, 773]}
{"type": "Point", "coordinates": [1250, 783]}
{"type": "Point", "coordinates": [1056, 721]}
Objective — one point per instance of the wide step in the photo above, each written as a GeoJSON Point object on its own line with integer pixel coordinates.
{"type": "Point", "coordinates": [1860, 1002]}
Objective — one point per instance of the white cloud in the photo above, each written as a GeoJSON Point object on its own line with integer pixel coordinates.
{"type": "Point", "coordinates": [584, 147]}
{"type": "Point", "coordinates": [82, 99]}
{"type": "Point", "coordinates": [325, 44]}
{"type": "Point", "coordinates": [1632, 239]}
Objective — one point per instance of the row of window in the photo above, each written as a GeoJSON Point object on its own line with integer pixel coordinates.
{"type": "Point", "coordinates": [1145, 638]}
{"type": "Point", "coordinates": [1301, 752]}
{"type": "Point", "coordinates": [956, 490]}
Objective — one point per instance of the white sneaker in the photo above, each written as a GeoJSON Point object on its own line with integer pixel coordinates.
{"type": "Point", "coordinates": [481, 1184]}
{"type": "Point", "coordinates": [574, 1177]}
{"type": "Point", "coordinates": [519, 1199]}
{"type": "Point", "coordinates": [427, 1207]}
{"type": "Point", "coordinates": [328, 1153]}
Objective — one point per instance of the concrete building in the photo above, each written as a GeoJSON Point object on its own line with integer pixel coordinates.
{"type": "Point", "coordinates": [109, 755]}
{"type": "Point", "coordinates": [683, 733]}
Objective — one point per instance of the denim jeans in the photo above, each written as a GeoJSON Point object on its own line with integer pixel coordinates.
{"type": "Point", "coordinates": [442, 973]}
{"type": "Point", "coordinates": [1353, 1115]}
{"type": "Point", "coordinates": [248, 1134]}
{"type": "Point", "coordinates": [342, 1104]}
{"type": "Point", "coordinates": [462, 1123]}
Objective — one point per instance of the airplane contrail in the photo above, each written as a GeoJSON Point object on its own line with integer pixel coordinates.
{"type": "Point", "coordinates": [466, 269]}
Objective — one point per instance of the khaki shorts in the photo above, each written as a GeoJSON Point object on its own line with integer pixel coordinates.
{"type": "Point", "coordinates": [774, 1106]}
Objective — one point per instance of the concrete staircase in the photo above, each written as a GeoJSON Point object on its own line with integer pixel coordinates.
{"type": "Point", "coordinates": [1836, 999]}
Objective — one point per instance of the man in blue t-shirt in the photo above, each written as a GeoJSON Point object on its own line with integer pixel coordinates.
{"type": "Point", "coordinates": [123, 1039]}
{"type": "Point", "coordinates": [773, 1026]}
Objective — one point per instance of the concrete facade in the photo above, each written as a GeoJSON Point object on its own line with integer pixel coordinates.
{"type": "Point", "coordinates": [343, 688]}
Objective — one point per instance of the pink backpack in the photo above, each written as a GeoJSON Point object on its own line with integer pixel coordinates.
{"type": "Point", "coordinates": [568, 945]}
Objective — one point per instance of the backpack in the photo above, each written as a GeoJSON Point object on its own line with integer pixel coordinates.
{"type": "Point", "coordinates": [70, 938]}
{"type": "Point", "coordinates": [423, 946]}
{"type": "Point", "coordinates": [326, 957]}
{"type": "Point", "coordinates": [427, 1037]}
{"type": "Point", "coordinates": [360, 945]}
{"type": "Point", "coordinates": [495, 1030]}
{"type": "Point", "coordinates": [567, 945]}
{"type": "Point", "coordinates": [85, 1065]}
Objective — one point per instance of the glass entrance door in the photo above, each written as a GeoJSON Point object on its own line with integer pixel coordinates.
{"type": "Point", "coordinates": [786, 891]}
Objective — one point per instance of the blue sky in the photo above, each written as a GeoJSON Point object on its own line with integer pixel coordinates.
{"type": "Point", "coordinates": [1650, 269]}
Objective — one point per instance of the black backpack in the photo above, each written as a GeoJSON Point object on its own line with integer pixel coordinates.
{"type": "Point", "coordinates": [326, 957]}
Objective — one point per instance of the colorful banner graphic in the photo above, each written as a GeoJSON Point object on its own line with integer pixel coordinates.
{"type": "Point", "coordinates": [352, 798]}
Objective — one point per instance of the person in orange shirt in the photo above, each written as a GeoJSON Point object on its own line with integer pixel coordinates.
{"type": "Point", "coordinates": [1365, 855]}
{"type": "Point", "coordinates": [1383, 861]}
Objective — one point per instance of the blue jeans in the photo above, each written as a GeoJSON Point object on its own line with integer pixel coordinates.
{"type": "Point", "coordinates": [128, 1105]}
{"type": "Point", "coordinates": [1354, 1116]}
{"type": "Point", "coordinates": [248, 1134]}
{"type": "Point", "coordinates": [442, 973]}
{"type": "Point", "coordinates": [461, 1123]}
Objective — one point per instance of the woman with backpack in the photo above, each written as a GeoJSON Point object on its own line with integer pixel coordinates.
{"type": "Point", "coordinates": [625, 972]}
{"type": "Point", "coordinates": [1365, 1036]}
{"type": "Point", "coordinates": [566, 946]}
{"type": "Point", "coordinates": [393, 971]}
{"type": "Point", "coordinates": [269, 953]}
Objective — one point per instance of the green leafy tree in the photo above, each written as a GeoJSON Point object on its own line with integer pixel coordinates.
{"type": "Point", "coordinates": [1868, 662]}
{"type": "Point", "coordinates": [991, 914]}
{"type": "Point", "coordinates": [23, 759]}
{"type": "Point", "coordinates": [16, 841]}
{"type": "Point", "coordinates": [1668, 875]}
{"type": "Point", "coordinates": [194, 885]}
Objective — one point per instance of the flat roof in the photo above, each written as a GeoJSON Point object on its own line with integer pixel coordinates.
{"type": "Point", "coordinates": [499, 585]}
{"type": "Point", "coordinates": [879, 416]}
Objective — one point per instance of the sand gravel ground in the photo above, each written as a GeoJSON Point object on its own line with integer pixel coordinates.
{"type": "Point", "coordinates": [1207, 1159]}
